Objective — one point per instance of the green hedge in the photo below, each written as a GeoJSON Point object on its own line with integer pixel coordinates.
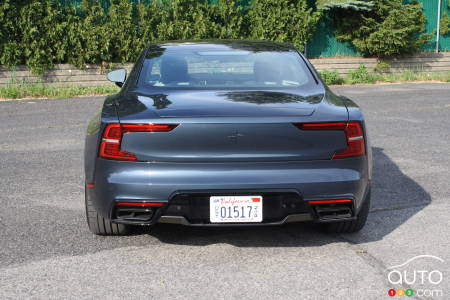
{"type": "Point", "coordinates": [41, 33]}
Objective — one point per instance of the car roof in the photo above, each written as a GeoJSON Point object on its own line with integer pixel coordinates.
{"type": "Point", "coordinates": [244, 45]}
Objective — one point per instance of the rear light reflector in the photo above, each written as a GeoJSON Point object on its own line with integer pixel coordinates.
{"type": "Point", "coordinates": [113, 134]}
{"type": "Point", "coordinates": [153, 204]}
{"type": "Point", "coordinates": [90, 185]}
{"type": "Point", "coordinates": [330, 201]}
{"type": "Point", "coordinates": [353, 132]}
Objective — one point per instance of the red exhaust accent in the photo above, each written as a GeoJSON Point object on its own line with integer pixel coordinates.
{"type": "Point", "coordinates": [112, 138]}
{"type": "Point", "coordinates": [353, 132]}
{"type": "Point", "coordinates": [329, 201]}
{"type": "Point", "coordinates": [158, 204]}
{"type": "Point", "coordinates": [90, 185]}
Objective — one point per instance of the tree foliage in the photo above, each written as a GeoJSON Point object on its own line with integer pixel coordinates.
{"type": "Point", "coordinates": [444, 26]}
{"type": "Point", "coordinates": [10, 34]}
{"type": "Point", "coordinates": [41, 33]}
{"type": "Point", "coordinates": [93, 43]}
{"type": "Point", "coordinates": [43, 26]}
{"type": "Point", "coordinates": [344, 4]}
{"type": "Point", "coordinates": [390, 28]}
{"type": "Point", "coordinates": [283, 21]}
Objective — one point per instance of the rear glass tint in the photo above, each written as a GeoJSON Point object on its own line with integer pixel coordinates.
{"type": "Point", "coordinates": [225, 69]}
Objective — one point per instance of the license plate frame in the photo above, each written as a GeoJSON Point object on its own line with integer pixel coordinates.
{"type": "Point", "coordinates": [236, 209]}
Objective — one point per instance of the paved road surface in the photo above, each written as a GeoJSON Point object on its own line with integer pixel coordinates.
{"type": "Point", "coordinates": [46, 250]}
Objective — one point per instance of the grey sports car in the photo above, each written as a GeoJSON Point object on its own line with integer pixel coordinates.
{"type": "Point", "coordinates": [225, 133]}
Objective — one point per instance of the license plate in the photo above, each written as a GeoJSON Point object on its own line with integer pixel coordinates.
{"type": "Point", "coordinates": [235, 209]}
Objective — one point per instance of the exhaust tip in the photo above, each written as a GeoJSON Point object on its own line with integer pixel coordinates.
{"type": "Point", "coordinates": [334, 209]}
{"type": "Point", "coordinates": [136, 212]}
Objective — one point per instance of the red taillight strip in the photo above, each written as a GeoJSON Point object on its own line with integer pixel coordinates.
{"type": "Point", "coordinates": [158, 204]}
{"type": "Point", "coordinates": [112, 138]}
{"type": "Point", "coordinates": [330, 201]}
{"type": "Point", "coordinates": [322, 126]}
{"type": "Point", "coordinates": [147, 127]}
{"type": "Point", "coordinates": [353, 132]}
{"type": "Point", "coordinates": [90, 185]}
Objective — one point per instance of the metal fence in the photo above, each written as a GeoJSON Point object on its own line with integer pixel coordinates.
{"type": "Point", "coordinates": [430, 8]}
{"type": "Point", "coordinates": [324, 43]}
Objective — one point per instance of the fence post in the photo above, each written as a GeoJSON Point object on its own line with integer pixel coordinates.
{"type": "Point", "coordinates": [438, 25]}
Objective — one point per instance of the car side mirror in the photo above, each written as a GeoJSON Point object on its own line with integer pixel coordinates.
{"type": "Point", "coordinates": [117, 76]}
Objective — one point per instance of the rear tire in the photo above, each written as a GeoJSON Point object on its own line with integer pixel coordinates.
{"type": "Point", "coordinates": [102, 226]}
{"type": "Point", "coordinates": [351, 225]}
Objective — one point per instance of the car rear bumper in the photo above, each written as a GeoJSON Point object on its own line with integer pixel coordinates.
{"type": "Point", "coordinates": [181, 220]}
{"type": "Point", "coordinates": [286, 188]}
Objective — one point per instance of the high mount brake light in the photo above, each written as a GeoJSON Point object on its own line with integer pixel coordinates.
{"type": "Point", "coordinates": [353, 132]}
{"type": "Point", "coordinates": [112, 138]}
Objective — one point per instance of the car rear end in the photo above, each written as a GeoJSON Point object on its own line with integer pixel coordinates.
{"type": "Point", "coordinates": [228, 158]}
{"type": "Point", "coordinates": [171, 172]}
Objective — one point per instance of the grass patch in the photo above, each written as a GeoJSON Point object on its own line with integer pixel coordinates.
{"type": "Point", "coordinates": [363, 76]}
{"type": "Point", "coordinates": [14, 91]}
{"type": "Point", "coordinates": [418, 76]}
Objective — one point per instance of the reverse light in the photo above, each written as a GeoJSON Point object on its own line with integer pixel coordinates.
{"type": "Point", "coordinates": [353, 132]}
{"type": "Point", "coordinates": [113, 134]}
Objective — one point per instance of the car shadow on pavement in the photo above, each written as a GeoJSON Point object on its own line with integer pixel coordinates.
{"type": "Point", "coordinates": [395, 199]}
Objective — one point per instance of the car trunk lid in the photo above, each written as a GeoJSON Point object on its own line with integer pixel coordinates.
{"type": "Point", "coordinates": [232, 126]}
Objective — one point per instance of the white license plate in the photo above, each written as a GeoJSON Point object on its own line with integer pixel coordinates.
{"type": "Point", "coordinates": [235, 209]}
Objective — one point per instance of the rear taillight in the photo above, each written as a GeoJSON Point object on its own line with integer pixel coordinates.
{"type": "Point", "coordinates": [353, 132]}
{"type": "Point", "coordinates": [112, 138]}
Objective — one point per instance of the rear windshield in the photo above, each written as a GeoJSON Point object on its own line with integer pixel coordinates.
{"type": "Point", "coordinates": [224, 69]}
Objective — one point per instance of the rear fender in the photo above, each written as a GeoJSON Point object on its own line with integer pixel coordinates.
{"type": "Point", "coordinates": [96, 125]}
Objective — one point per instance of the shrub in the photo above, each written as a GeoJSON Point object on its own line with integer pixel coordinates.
{"type": "Point", "coordinates": [185, 19]}
{"type": "Point", "coordinates": [282, 21]}
{"type": "Point", "coordinates": [89, 40]}
{"type": "Point", "coordinates": [331, 77]}
{"type": "Point", "coordinates": [11, 47]}
{"type": "Point", "coordinates": [148, 18]}
{"type": "Point", "coordinates": [391, 28]}
{"type": "Point", "coordinates": [41, 33]}
{"type": "Point", "coordinates": [121, 31]}
{"type": "Point", "coordinates": [361, 75]}
{"type": "Point", "coordinates": [228, 19]}
{"type": "Point", "coordinates": [382, 66]}
{"type": "Point", "coordinates": [44, 34]}
{"type": "Point", "coordinates": [444, 26]}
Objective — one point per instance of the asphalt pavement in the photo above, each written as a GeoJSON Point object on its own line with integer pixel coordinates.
{"type": "Point", "coordinates": [47, 252]}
